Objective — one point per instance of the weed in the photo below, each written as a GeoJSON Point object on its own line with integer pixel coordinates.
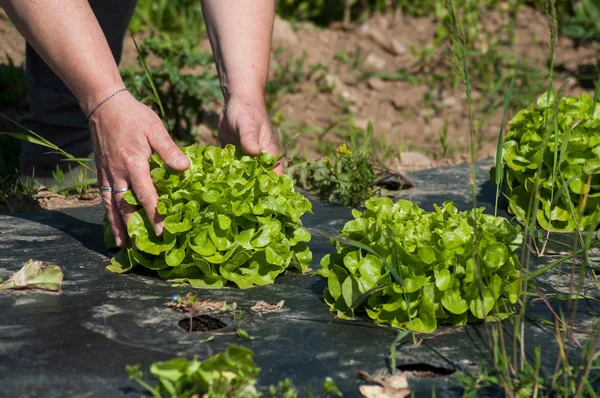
{"type": "Point", "coordinates": [345, 177]}
{"type": "Point", "coordinates": [353, 61]}
{"type": "Point", "coordinates": [180, 95]}
{"type": "Point", "coordinates": [584, 22]}
{"type": "Point", "coordinates": [13, 184]}
{"type": "Point", "coordinates": [287, 78]}
{"type": "Point", "coordinates": [515, 374]}
{"type": "Point", "coordinates": [443, 136]}
{"type": "Point", "coordinates": [178, 18]}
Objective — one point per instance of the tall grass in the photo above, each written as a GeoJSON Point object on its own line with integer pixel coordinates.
{"type": "Point", "coordinates": [512, 370]}
{"type": "Point", "coordinates": [11, 185]}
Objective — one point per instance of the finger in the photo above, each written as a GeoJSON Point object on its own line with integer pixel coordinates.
{"type": "Point", "coordinates": [168, 151]}
{"type": "Point", "coordinates": [278, 168]}
{"type": "Point", "coordinates": [145, 192]}
{"type": "Point", "coordinates": [249, 132]}
{"type": "Point", "coordinates": [124, 209]}
{"type": "Point", "coordinates": [270, 144]}
{"type": "Point", "coordinates": [116, 223]}
{"type": "Point", "coordinates": [249, 141]}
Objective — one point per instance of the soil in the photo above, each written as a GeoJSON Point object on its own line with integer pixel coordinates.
{"type": "Point", "coordinates": [407, 117]}
{"type": "Point", "coordinates": [425, 370]}
{"type": "Point", "coordinates": [44, 199]}
{"type": "Point", "coordinates": [398, 109]}
{"type": "Point", "coordinates": [202, 323]}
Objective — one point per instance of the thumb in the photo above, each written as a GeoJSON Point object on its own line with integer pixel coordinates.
{"type": "Point", "coordinates": [249, 132]}
{"type": "Point", "coordinates": [274, 150]}
{"type": "Point", "coordinates": [168, 151]}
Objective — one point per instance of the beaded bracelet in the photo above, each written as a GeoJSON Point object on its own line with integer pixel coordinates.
{"type": "Point", "coordinates": [104, 100]}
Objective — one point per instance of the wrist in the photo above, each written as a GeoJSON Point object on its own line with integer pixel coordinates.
{"type": "Point", "coordinates": [246, 91]}
{"type": "Point", "coordinates": [256, 96]}
{"type": "Point", "coordinates": [92, 96]}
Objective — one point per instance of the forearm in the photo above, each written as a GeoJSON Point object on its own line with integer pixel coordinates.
{"type": "Point", "coordinates": [240, 34]}
{"type": "Point", "coordinates": [68, 37]}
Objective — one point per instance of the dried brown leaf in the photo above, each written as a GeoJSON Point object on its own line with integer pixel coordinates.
{"type": "Point", "coordinates": [394, 386]}
{"type": "Point", "coordinates": [190, 304]}
{"type": "Point", "coordinates": [209, 306]}
{"type": "Point", "coordinates": [262, 307]}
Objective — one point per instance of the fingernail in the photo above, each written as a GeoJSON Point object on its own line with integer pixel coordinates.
{"type": "Point", "coordinates": [119, 241]}
{"type": "Point", "coordinates": [159, 229]}
{"type": "Point", "coordinates": [182, 163]}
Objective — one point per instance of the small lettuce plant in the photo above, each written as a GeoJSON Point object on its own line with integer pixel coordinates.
{"type": "Point", "coordinates": [411, 269]}
{"type": "Point", "coordinates": [569, 183]}
{"type": "Point", "coordinates": [228, 218]}
{"type": "Point", "coordinates": [231, 373]}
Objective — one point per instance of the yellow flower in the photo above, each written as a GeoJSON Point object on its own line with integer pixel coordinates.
{"type": "Point", "coordinates": [343, 150]}
{"type": "Point", "coordinates": [325, 159]}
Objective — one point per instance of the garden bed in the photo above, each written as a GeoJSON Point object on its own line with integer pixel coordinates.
{"type": "Point", "coordinates": [79, 341]}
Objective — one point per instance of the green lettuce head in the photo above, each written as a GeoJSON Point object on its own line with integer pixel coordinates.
{"type": "Point", "coordinates": [411, 269]}
{"type": "Point", "coordinates": [228, 218]}
{"type": "Point", "coordinates": [569, 183]}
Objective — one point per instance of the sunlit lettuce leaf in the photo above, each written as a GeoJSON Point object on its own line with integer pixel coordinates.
{"type": "Point", "coordinates": [419, 268]}
{"type": "Point", "coordinates": [228, 218]}
{"type": "Point", "coordinates": [570, 172]}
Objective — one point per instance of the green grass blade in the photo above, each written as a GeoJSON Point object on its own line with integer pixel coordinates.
{"type": "Point", "coordinates": [399, 337]}
{"type": "Point", "coordinates": [80, 184]}
{"type": "Point", "coordinates": [77, 160]}
{"type": "Point", "coordinates": [368, 249]}
{"type": "Point", "coordinates": [499, 161]}
{"type": "Point", "coordinates": [37, 139]}
{"type": "Point", "coordinates": [363, 297]}
{"type": "Point", "coordinates": [147, 72]}
{"type": "Point", "coordinates": [548, 267]}
{"type": "Point", "coordinates": [31, 139]}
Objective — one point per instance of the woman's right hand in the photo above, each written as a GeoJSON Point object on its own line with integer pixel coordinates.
{"type": "Point", "coordinates": [125, 133]}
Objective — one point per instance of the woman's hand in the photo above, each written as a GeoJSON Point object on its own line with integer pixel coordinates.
{"type": "Point", "coordinates": [244, 122]}
{"type": "Point", "coordinates": [125, 134]}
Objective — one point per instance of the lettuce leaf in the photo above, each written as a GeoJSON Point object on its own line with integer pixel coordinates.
{"type": "Point", "coordinates": [411, 269]}
{"type": "Point", "coordinates": [572, 156]}
{"type": "Point", "coordinates": [228, 218]}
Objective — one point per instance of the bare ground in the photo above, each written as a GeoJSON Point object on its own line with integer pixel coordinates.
{"type": "Point", "coordinates": [407, 116]}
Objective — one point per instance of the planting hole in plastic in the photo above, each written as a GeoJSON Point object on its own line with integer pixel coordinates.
{"type": "Point", "coordinates": [201, 323]}
{"type": "Point", "coordinates": [425, 370]}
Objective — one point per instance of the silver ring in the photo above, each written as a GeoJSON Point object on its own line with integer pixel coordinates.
{"type": "Point", "coordinates": [120, 190]}
{"type": "Point", "coordinates": [106, 189]}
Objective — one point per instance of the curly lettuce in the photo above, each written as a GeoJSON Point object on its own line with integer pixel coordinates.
{"type": "Point", "coordinates": [569, 183]}
{"type": "Point", "coordinates": [411, 269]}
{"type": "Point", "coordinates": [228, 218]}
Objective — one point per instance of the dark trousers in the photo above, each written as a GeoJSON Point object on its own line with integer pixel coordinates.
{"type": "Point", "coordinates": [55, 112]}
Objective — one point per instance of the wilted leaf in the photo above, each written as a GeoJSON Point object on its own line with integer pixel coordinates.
{"type": "Point", "coordinates": [394, 386]}
{"type": "Point", "coordinates": [262, 307]}
{"type": "Point", "coordinates": [190, 304]}
{"type": "Point", "coordinates": [35, 275]}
